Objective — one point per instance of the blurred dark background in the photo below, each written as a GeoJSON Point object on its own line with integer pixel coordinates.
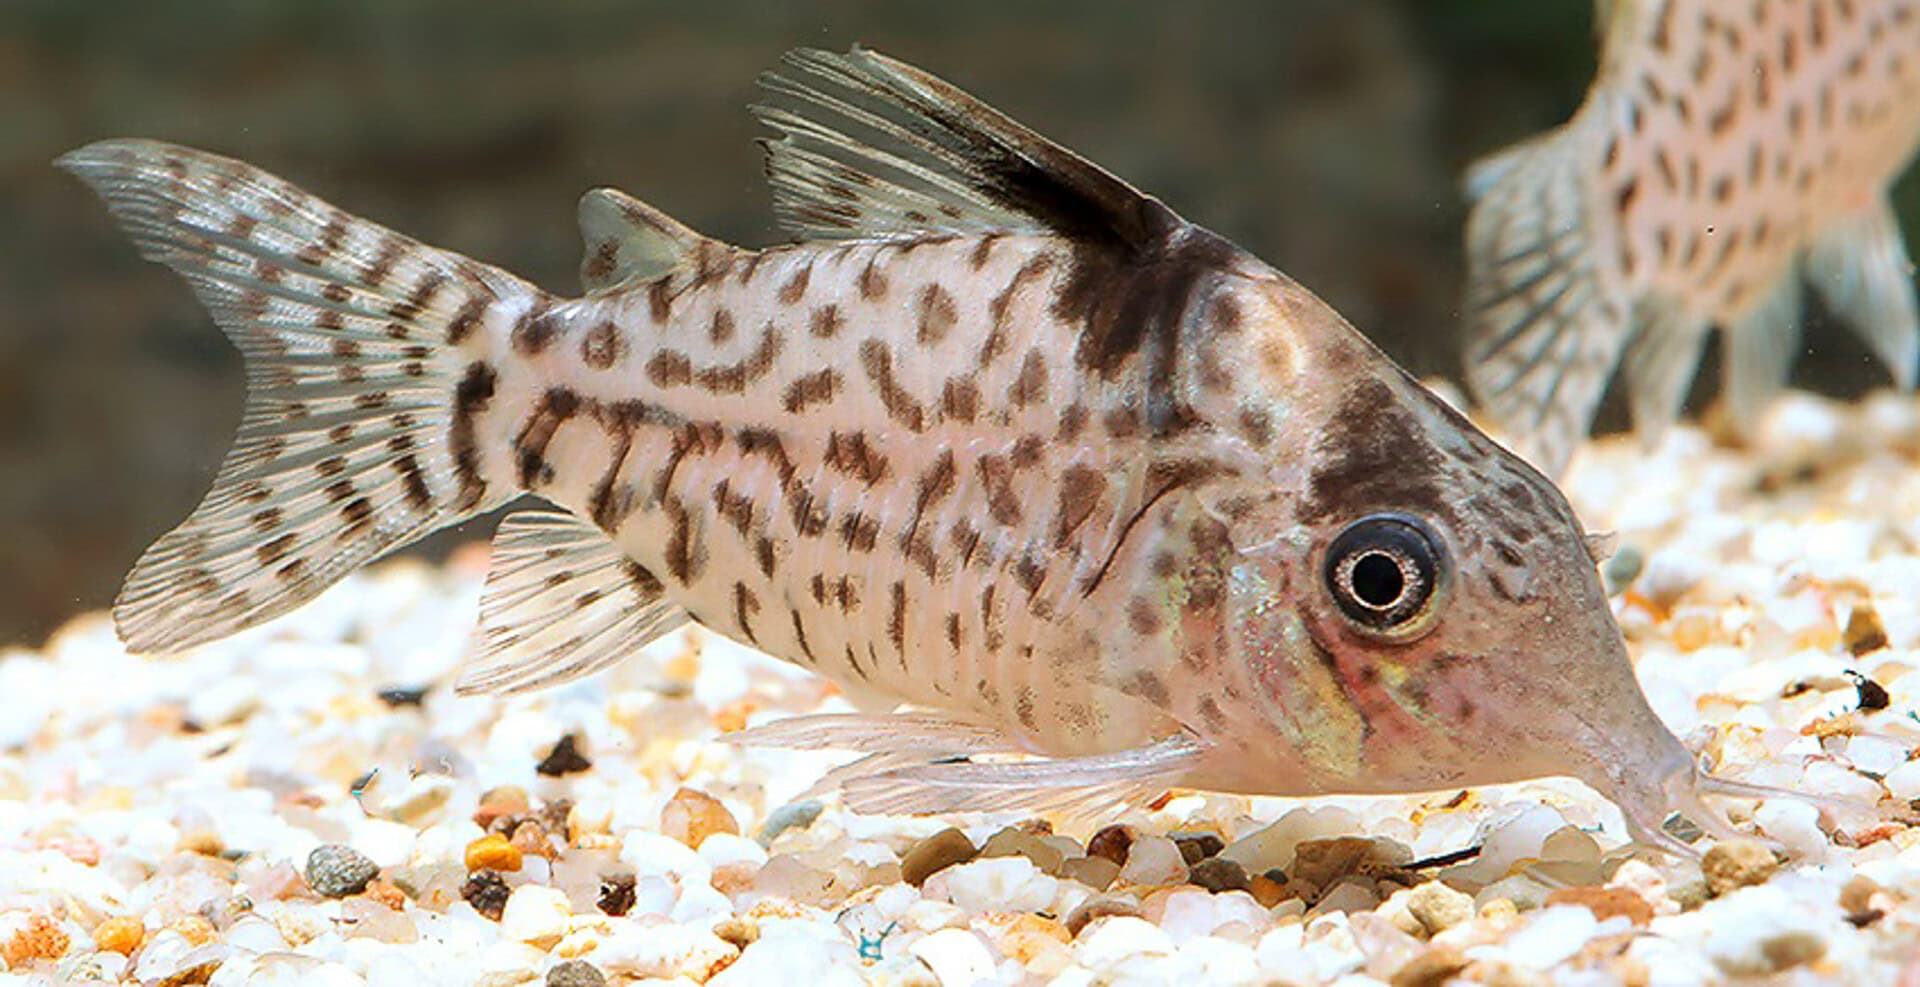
{"type": "Point", "coordinates": [1325, 135]}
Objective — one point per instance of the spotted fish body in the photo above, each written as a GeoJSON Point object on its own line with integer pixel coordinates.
{"type": "Point", "coordinates": [1075, 499]}
{"type": "Point", "coordinates": [1728, 150]}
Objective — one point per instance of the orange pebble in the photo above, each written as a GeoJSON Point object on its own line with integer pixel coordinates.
{"type": "Point", "coordinates": [119, 935]}
{"type": "Point", "coordinates": [692, 815]}
{"type": "Point", "coordinates": [387, 893]}
{"type": "Point", "coordinates": [40, 940]}
{"type": "Point", "coordinates": [1267, 891]}
{"type": "Point", "coordinates": [493, 852]}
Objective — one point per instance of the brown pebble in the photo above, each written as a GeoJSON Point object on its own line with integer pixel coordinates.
{"type": "Point", "coordinates": [1320, 864]}
{"type": "Point", "coordinates": [740, 932]}
{"type": "Point", "coordinates": [1094, 872]}
{"type": "Point", "coordinates": [487, 892]}
{"type": "Point", "coordinates": [1737, 864]}
{"type": "Point", "coordinates": [553, 817]}
{"type": "Point", "coordinates": [1218, 874]}
{"type": "Point", "coordinates": [564, 759]}
{"type": "Point", "coordinates": [1095, 908]}
{"type": "Point", "coordinates": [1605, 903]}
{"type": "Point", "coordinates": [616, 894]}
{"type": "Point", "coordinates": [935, 854]}
{"type": "Point", "coordinates": [1016, 842]}
{"type": "Point", "coordinates": [1430, 969]}
{"type": "Point", "coordinates": [1197, 846]}
{"type": "Point", "coordinates": [1113, 842]}
{"type": "Point", "coordinates": [1864, 634]}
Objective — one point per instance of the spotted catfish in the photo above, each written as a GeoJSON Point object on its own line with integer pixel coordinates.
{"type": "Point", "coordinates": [1728, 150]}
{"type": "Point", "coordinates": [1076, 499]}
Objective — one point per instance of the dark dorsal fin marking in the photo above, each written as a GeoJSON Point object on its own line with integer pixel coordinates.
{"type": "Point", "coordinates": [872, 148]}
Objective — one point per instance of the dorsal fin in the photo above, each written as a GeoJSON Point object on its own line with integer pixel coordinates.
{"type": "Point", "coordinates": [875, 148]}
{"type": "Point", "coordinates": [627, 239]}
{"type": "Point", "coordinates": [561, 602]}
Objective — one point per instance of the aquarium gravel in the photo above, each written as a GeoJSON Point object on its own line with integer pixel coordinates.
{"type": "Point", "coordinates": [309, 803]}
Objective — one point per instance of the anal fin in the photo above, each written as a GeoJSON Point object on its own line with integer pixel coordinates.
{"type": "Point", "coordinates": [1861, 269]}
{"type": "Point", "coordinates": [561, 602]}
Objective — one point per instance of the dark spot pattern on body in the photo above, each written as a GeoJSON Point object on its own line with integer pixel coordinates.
{"type": "Point", "coordinates": [1374, 454]}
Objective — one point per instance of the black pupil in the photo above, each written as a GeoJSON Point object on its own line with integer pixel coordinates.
{"type": "Point", "coordinates": [1383, 570]}
{"type": "Point", "coordinates": [1377, 580]}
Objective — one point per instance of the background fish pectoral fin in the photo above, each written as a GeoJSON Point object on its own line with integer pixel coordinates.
{"type": "Point", "coordinates": [561, 602]}
{"type": "Point", "coordinates": [1861, 268]}
{"type": "Point", "coordinates": [1543, 336]}
{"type": "Point", "coordinates": [1760, 347]}
{"type": "Point", "coordinates": [1660, 366]}
{"type": "Point", "coordinates": [628, 240]}
{"type": "Point", "coordinates": [1073, 783]}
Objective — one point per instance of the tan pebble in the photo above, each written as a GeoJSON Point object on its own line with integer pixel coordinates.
{"type": "Point", "coordinates": [192, 976]}
{"type": "Point", "coordinates": [1692, 630]}
{"type": "Point", "coordinates": [1605, 903]}
{"type": "Point", "coordinates": [1320, 864]}
{"type": "Point", "coordinates": [1098, 908]}
{"type": "Point", "coordinates": [1430, 969]}
{"type": "Point", "coordinates": [737, 931]}
{"type": "Point", "coordinates": [119, 935]}
{"type": "Point", "coordinates": [692, 815]}
{"type": "Point", "coordinates": [1030, 937]}
{"type": "Point", "coordinates": [506, 800]}
{"type": "Point", "coordinates": [1094, 872]}
{"type": "Point", "coordinates": [530, 838]}
{"type": "Point", "coordinates": [40, 939]}
{"type": "Point", "coordinates": [1014, 842]}
{"type": "Point", "coordinates": [1737, 864]}
{"type": "Point", "coordinates": [935, 854]}
{"type": "Point", "coordinates": [1113, 842]}
{"type": "Point", "coordinates": [195, 930]}
{"type": "Point", "coordinates": [1439, 907]}
{"type": "Point", "coordinates": [734, 878]}
{"type": "Point", "coordinates": [1267, 891]}
{"type": "Point", "coordinates": [1501, 912]}
{"type": "Point", "coordinates": [386, 893]}
{"type": "Point", "coordinates": [79, 849]}
{"type": "Point", "coordinates": [1856, 897]}
{"type": "Point", "coordinates": [202, 841]}
{"type": "Point", "coordinates": [493, 852]}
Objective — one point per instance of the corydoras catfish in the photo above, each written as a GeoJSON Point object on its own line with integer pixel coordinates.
{"type": "Point", "coordinates": [1076, 499]}
{"type": "Point", "coordinates": [1729, 151]}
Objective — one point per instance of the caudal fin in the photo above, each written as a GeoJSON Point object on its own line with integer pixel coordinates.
{"type": "Point", "coordinates": [354, 439]}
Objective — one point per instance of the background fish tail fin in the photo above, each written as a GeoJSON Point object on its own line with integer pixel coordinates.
{"type": "Point", "coordinates": [1660, 366]}
{"type": "Point", "coordinates": [1760, 347]}
{"type": "Point", "coordinates": [1542, 336]}
{"type": "Point", "coordinates": [357, 386]}
{"type": "Point", "coordinates": [1862, 271]}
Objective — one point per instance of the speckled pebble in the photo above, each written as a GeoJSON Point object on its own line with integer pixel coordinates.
{"type": "Point", "coordinates": [336, 871]}
{"type": "Point", "coordinates": [575, 973]}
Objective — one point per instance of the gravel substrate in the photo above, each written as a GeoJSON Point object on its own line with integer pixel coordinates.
{"type": "Point", "coordinates": [308, 803]}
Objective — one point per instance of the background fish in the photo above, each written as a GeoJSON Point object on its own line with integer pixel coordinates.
{"type": "Point", "coordinates": [1726, 152]}
{"type": "Point", "coordinates": [1002, 441]}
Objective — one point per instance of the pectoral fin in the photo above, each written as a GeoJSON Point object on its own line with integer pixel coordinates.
{"type": "Point", "coordinates": [1861, 269]}
{"type": "Point", "coordinates": [1037, 785]}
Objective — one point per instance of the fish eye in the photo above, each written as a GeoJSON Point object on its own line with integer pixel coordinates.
{"type": "Point", "coordinates": [1384, 571]}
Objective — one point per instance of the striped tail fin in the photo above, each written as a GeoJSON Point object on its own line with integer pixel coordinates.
{"type": "Point", "coordinates": [363, 351]}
